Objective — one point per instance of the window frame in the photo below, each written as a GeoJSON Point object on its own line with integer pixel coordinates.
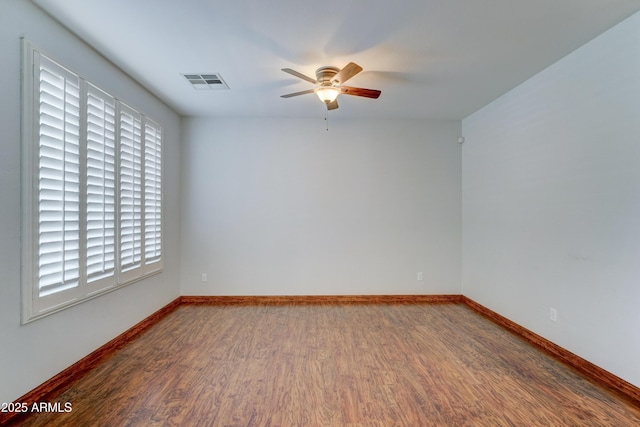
{"type": "Point", "coordinates": [34, 305]}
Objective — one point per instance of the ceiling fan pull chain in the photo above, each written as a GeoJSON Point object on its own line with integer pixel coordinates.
{"type": "Point", "coordinates": [326, 119]}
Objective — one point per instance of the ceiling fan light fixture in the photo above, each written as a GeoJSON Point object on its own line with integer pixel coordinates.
{"type": "Point", "coordinates": [329, 84]}
{"type": "Point", "coordinates": [327, 94]}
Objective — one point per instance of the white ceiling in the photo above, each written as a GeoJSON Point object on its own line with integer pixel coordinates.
{"type": "Point", "coordinates": [440, 59]}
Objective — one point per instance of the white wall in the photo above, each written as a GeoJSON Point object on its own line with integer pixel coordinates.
{"type": "Point", "coordinates": [283, 207]}
{"type": "Point", "coordinates": [551, 202]}
{"type": "Point", "coordinates": [33, 353]}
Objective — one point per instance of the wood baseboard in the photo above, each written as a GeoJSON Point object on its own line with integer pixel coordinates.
{"type": "Point", "coordinates": [48, 390]}
{"type": "Point", "coordinates": [586, 368]}
{"type": "Point", "coordinates": [320, 299]}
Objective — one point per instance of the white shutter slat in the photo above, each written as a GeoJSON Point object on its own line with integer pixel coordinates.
{"type": "Point", "coordinates": [58, 178]}
{"type": "Point", "coordinates": [100, 184]}
{"type": "Point", "coordinates": [130, 123]}
{"type": "Point", "coordinates": [153, 192]}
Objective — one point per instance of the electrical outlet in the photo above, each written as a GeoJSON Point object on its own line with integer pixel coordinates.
{"type": "Point", "coordinates": [204, 277]}
{"type": "Point", "coordinates": [420, 276]}
{"type": "Point", "coordinates": [553, 314]}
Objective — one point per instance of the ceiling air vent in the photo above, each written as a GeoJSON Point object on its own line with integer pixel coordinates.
{"type": "Point", "coordinates": [208, 81]}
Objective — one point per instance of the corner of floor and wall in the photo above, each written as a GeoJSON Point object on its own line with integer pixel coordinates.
{"type": "Point", "coordinates": [551, 213]}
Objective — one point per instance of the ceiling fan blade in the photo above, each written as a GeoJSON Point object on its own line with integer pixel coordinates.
{"type": "Point", "coordinates": [332, 105]}
{"type": "Point", "coordinates": [358, 91]}
{"type": "Point", "coordinates": [350, 70]}
{"type": "Point", "coordinates": [299, 75]}
{"type": "Point", "coordinates": [304, 92]}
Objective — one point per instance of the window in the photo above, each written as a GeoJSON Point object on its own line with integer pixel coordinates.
{"type": "Point", "coordinates": [92, 189]}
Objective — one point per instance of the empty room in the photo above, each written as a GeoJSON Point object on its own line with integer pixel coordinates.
{"type": "Point", "coordinates": [296, 213]}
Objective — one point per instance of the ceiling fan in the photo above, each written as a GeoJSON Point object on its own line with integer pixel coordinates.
{"type": "Point", "coordinates": [329, 82]}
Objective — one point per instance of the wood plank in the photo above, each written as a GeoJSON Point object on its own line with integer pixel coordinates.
{"type": "Point", "coordinates": [334, 364]}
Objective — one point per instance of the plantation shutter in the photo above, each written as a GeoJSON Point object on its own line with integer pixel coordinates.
{"type": "Point", "coordinates": [91, 190]}
{"type": "Point", "coordinates": [101, 185]}
{"type": "Point", "coordinates": [130, 188]}
{"type": "Point", "coordinates": [58, 187]}
{"type": "Point", "coordinates": [152, 192]}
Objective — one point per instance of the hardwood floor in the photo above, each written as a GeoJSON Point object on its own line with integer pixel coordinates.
{"type": "Point", "coordinates": [334, 365]}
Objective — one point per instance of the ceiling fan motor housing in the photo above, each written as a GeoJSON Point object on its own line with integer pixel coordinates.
{"type": "Point", "coordinates": [325, 74]}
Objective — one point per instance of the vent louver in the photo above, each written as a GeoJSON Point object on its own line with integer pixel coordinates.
{"type": "Point", "coordinates": [208, 81]}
